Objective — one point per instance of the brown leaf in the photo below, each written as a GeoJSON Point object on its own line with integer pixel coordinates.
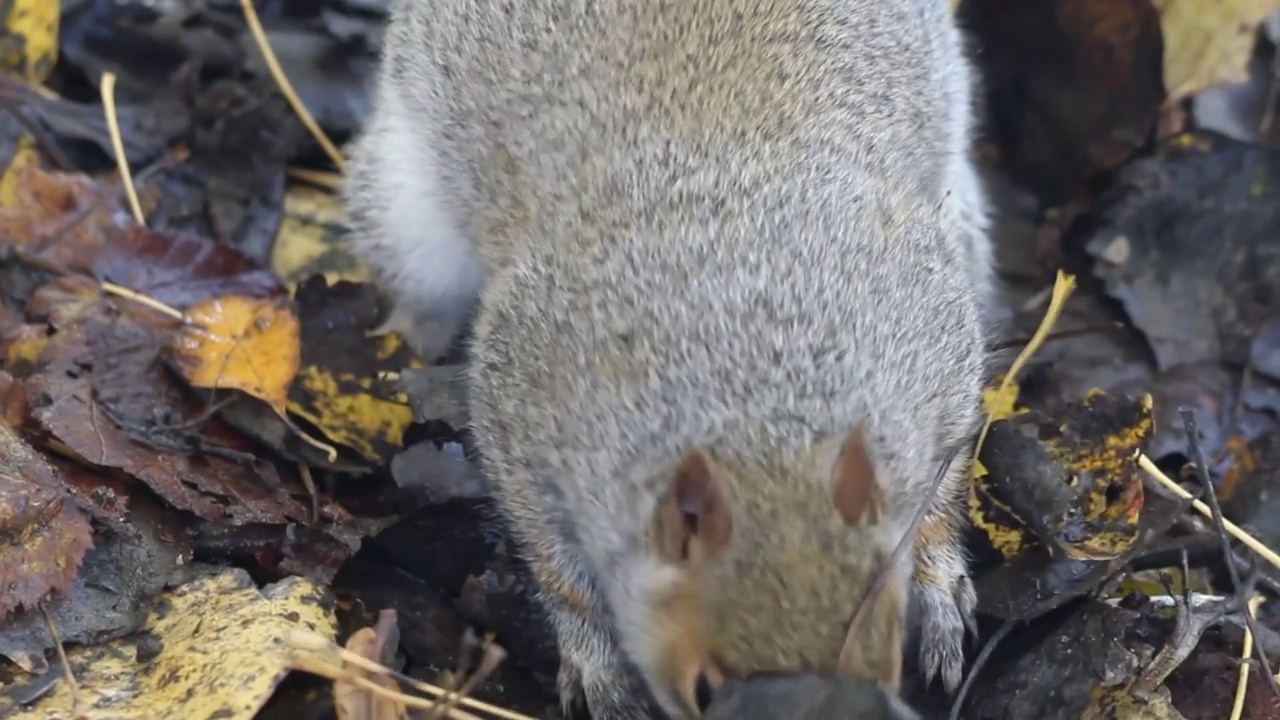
{"type": "Point", "coordinates": [61, 217]}
{"type": "Point", "coordinates": [115, 405]}
{"type": "Point", "coordinates": [46, 536]}
{"type": "Point", "coordinates": [1076, 85]}
{"type": "Point", "coordinates": [180, 270]}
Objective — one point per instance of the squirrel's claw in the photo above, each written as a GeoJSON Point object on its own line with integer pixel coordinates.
{"type": "Point", "coordinates": [947, 613]}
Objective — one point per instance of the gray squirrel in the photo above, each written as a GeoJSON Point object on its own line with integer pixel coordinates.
{"type": "Point", "coordinates": [724, 263]}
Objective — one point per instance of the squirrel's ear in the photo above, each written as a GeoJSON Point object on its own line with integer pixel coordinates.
{"type": "Point", "coordinates": [694, 515]}
{"type": "Point", "coordinates": [854, 489]}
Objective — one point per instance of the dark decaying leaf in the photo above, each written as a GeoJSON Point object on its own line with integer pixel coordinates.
{"type": "Point", "coordinates": [1190, 244]}
{"type": "Point", "coordinates": [1067, 482]}
{"type": "Point", "coordinates": [1073, 85]}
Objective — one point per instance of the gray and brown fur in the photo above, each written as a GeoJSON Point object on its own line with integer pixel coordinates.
{"type": "Point", "coordinates": [711, 247]}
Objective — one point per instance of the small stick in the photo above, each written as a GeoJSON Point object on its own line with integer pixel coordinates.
{"type": "Point", "coordinates": [303, 640]}
{"type": "Point", "coordinates": [1242, 683]}
{"type": "Point", "coordinates": [1202, 474]}
{"type": "Point", "coordinates": [286, 88]}
{"type": "Point", "coordinates": [317, 666]}
{"type": "Point", "coordinates": [135, 296]}
{"type": "Point", "coordinates": [1232, 529]}
{"type": "Point", "coordinates": [62, 657]}
{"type": "Point", "coordinates": [108, 90]}
{"type": "Point", "coordinates": [976, 667]}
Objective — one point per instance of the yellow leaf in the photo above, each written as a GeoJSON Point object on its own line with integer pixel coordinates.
{"type": "Point", "coordinates": [311, 239]}
{"type": "Point", "coordinates": [31, 38]}
{"type": "Point", "coordinates": [241, 343]}
{"type": "Point", "coordinates": [26, 155]}
{"type": "Point", "coordinates": [346, 409]}
{"type": "Point", "coordinates": [1208, 42]}
{"type": "Point", "coordinates": [224, 654]}
{"type": "Point", "coordinates": [1002, 397]}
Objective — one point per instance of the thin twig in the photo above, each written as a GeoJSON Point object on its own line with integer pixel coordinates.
{"type": "Point", "coordinates": [1232, 529]}
{"type": "Point", "coordinates": [317, 666]}
{"type": "Point", "coordinates": [66, 664]}
{"type": "Point", "coordinates": [899, 550]}
{"type": "Point", "coordinates": [492, 658]}
{"type": "Point", "coordinates": [1242, 683]}
{"type": "Point", "coordinates": [303, 640]}
{"type": "Point", "coordinates": [1202, 473]}
{"type": "Point", "coordinates": [286, 88]}
{"type": "Point", "coordinates": [108, 89]}
{"type": "Point", "coordinates": [327, 180]}
{"type": "Point", "coordinates": [135, 296]}
{"type": "Point", "coordinates": [985, 654]}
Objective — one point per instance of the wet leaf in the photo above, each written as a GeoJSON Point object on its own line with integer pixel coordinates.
{"type": "Point", "coordinates": [221, 654]}
{"type": "Point", "coordinates": [1188, 244]}
{"type": "Point", "coordinates": [114, 405]}
{"type": "Point", "coordinates": [46, 536]}
{"type": "Point", "coordinates": [1067, 482]}
{"type": "Point", "coordinates": [181, 270]}
{"type": "Point", "coordinates": [1116, 703]}
{"type": "Point", "coordinates": [136, 553]}
{"type": "Point", "coordinates": [312, 239]}
{"type": "Point", "coordinates": [240, 343]}
{"type": "Point", "coordinates": [338, 389]}
{"type": "Point", "coordinates": [63, 217]}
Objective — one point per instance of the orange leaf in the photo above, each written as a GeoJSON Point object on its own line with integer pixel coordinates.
{"type": "Point", "coordinates": [241, 343]}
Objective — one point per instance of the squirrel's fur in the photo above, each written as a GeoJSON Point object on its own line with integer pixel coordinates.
{"type": "Point", "coordinates": [726, 261]}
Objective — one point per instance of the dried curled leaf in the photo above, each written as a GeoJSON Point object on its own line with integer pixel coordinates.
{"type": "Point", "coordinates": [240, 343]}
{"type": "Point", "coordinates": [1068, 483]}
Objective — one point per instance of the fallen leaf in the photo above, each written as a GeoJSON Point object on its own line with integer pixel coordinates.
{"type": "Point", "coordinates": [180, 270]}
{"type": "Point", "coordinates": [1068, 481]}
{"type": "Point", "coordinates": [240, 343]}
{"type": "Point", "coordinates": [312, 239]}
{"type": "Point", "coordinates": [115, 405]}
{"type": "Point", "coordinates": [1208, 43]}
{"type": "Point", "coordinates": [46, 536]}
{"type": "Point", "coordinates": [24, 156]}
{"type": "Point", "coordinates": [136, 554]}
{"type": "Point", "coordinates": [62, 217]}
{"type": "Point", "coordinates": [1201, 256]}
{"type": "Point", "coordinates": [1075, 86]}
{"type": "Point", "coordinates": [1117, 703]}
{"type": "Point", "coordinates": [30, 39]}
{"type": "Point", "coordinates": [338, 389]}
{"type": "Point", "coordinates": [222, 653]}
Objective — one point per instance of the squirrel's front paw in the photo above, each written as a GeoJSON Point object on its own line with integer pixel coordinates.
{"type": "Point", "coordinates": [947, 608]}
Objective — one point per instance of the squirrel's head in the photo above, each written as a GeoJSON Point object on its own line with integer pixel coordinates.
{"type": "Point", "coordinates": [760, 566]}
